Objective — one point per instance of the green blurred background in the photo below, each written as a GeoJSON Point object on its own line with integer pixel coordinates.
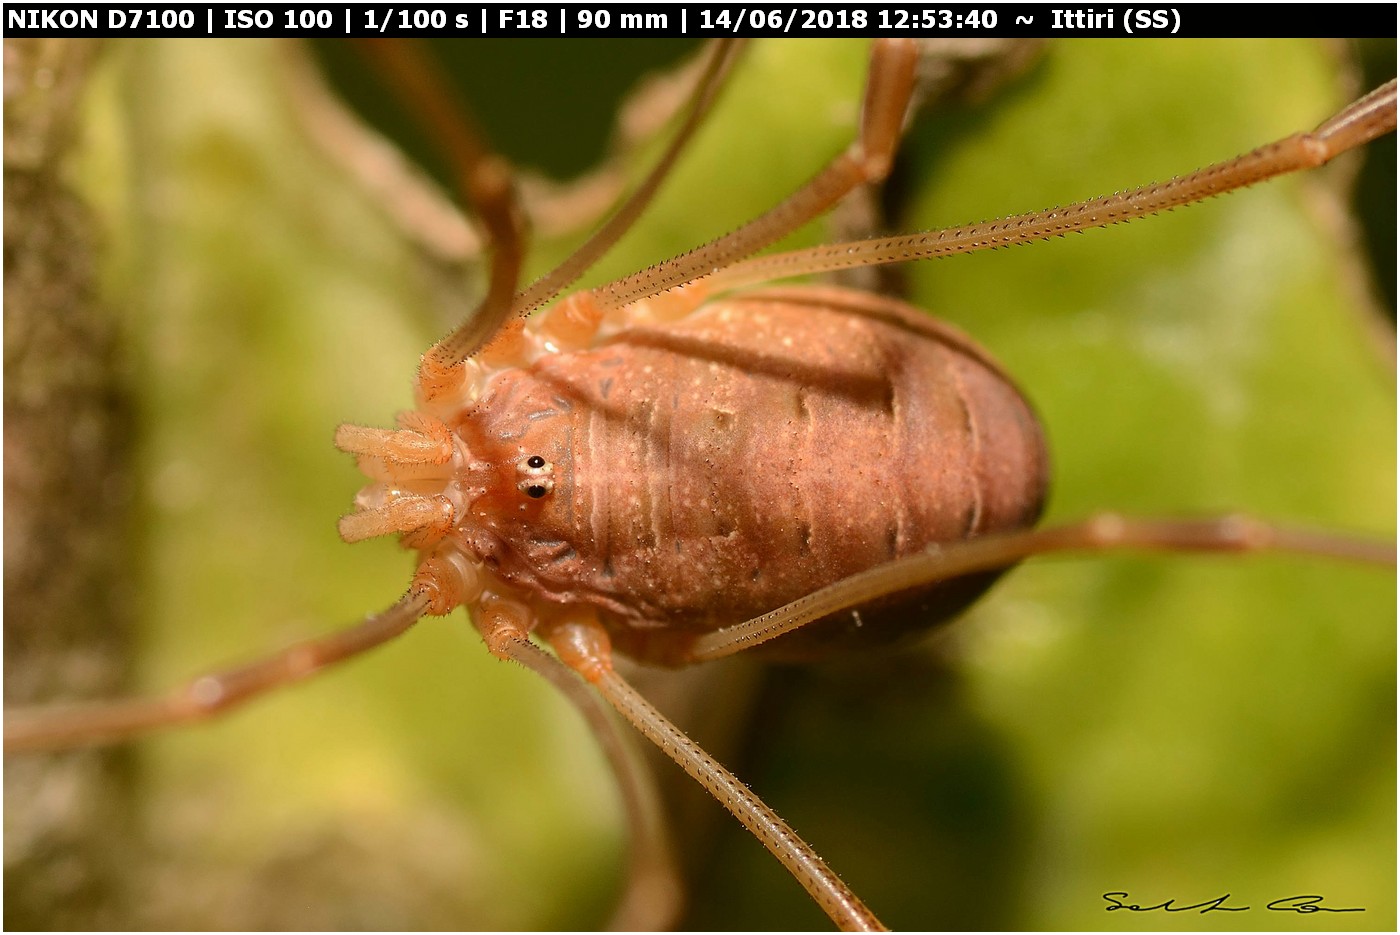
{"type": "Point", "coordinates": [1173, 727]}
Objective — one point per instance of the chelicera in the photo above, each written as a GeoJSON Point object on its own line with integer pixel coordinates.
{"type": "Point", "coordinates": [525, 483]}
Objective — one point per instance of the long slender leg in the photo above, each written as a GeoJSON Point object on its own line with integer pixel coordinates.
{"type": "Point", "coordinates": [485, 182]}
{"type": "Point", "coordinates": [573, 322]}
{"type": "Point", "coordinates": [209, 695]}
{"type": "Point", "coordinates": [1360, 122]}
{"type": "Point", "coordinates": [888, 88]}
{"type": "Point", "coordinates": [652, 898]}
{"type": "Point", "coordinates": [701, 100]}
{"type": "Point", "coordinates": [584, 647]}
{"type": "Point", "coordinates": [418, 208]}
{"type": "Point", "coordinates": [1102, 533]}
{"type": "Point", "coordinates": [483, 178]}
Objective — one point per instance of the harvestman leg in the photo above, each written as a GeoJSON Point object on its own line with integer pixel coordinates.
{"type": "Point", "coordinates": [208, 695]}
{"type": "Point", "coordinates": [483, 178]}
{"type": "Point", "coordinates": [652, 898]}
{"type": "Point", "coordinates": [491, 335]}
{"type": "Point", "coordinates": [582, 644]}
{"type": "Point", "coordinates": [1103, 533]}
{"type": "Point", "coordinates": [889, 84]}
{"type": "Point", "coordinates": [652, 894]}
{"type": "Point", "coordinates": [1360, 122]}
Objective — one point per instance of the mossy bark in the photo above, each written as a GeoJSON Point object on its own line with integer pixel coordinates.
{"type": "Point", "coordinates": [67, 503]}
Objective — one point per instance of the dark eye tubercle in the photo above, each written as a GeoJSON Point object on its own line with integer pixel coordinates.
{"type": "Point", "coordinates": [536, 476]}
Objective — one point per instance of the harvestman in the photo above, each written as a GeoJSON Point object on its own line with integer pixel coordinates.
{"type": "Point", "coordinates": [439, 491]}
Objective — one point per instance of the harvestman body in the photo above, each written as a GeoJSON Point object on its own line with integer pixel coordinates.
{"type": "Point", "coordinates": [551, 495]}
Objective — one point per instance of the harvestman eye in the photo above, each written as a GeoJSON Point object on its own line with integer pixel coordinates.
{"type": "Point", "coordinates": [537, 482]}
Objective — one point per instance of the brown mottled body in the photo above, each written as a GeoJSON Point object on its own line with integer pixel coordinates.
{"type": "Point", "coordinates": [771, 443]}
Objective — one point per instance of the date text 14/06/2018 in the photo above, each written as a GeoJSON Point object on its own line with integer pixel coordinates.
{"type": "Point", "coordinates": [800, 20]}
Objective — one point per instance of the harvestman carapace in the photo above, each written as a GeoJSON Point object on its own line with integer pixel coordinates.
{"type": "Point", "coordinates": [431, 506]}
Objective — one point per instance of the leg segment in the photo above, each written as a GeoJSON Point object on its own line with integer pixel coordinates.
{"type": "Point", "coordinates": [701, 100]}
{"type": "Point", "coordinates": [209, 695]}
{"type": "Point", "coordinates": [402, 193]}
{"type": "Point", "coordinates": [1368, 118]}
{"type": "Point", "coordinates": [1105, 532]}
{"type": "Point", "coordinates": [483, 178]}
{"type": "Point", "coordinates": [651, 900]}
{"type": "Point", "coordinates": [888, 88]}
{"type": "Point", "coordinates": [584, 647]}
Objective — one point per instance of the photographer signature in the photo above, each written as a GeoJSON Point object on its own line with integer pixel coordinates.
{"type": "Point", "coordinates": [1299, 904]}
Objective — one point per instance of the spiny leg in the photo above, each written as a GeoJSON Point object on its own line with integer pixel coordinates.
{"type": "Point", "coordinates": [1102, 533]}
{"type": "Point", "coordinates": [59, 727]}
{"type": "Point", "coordinates": [889, 84]}
{"type": "Point", "coordinates": [697, 108]}
{"type": "Point", "coordinates": [573, 322]}
{"type": "Point", "coordinates": [583, 645]}
{"type": "Point", "coordinates": [485, 182]}
{"type": "Point", "coordinates": [1364, 120]}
